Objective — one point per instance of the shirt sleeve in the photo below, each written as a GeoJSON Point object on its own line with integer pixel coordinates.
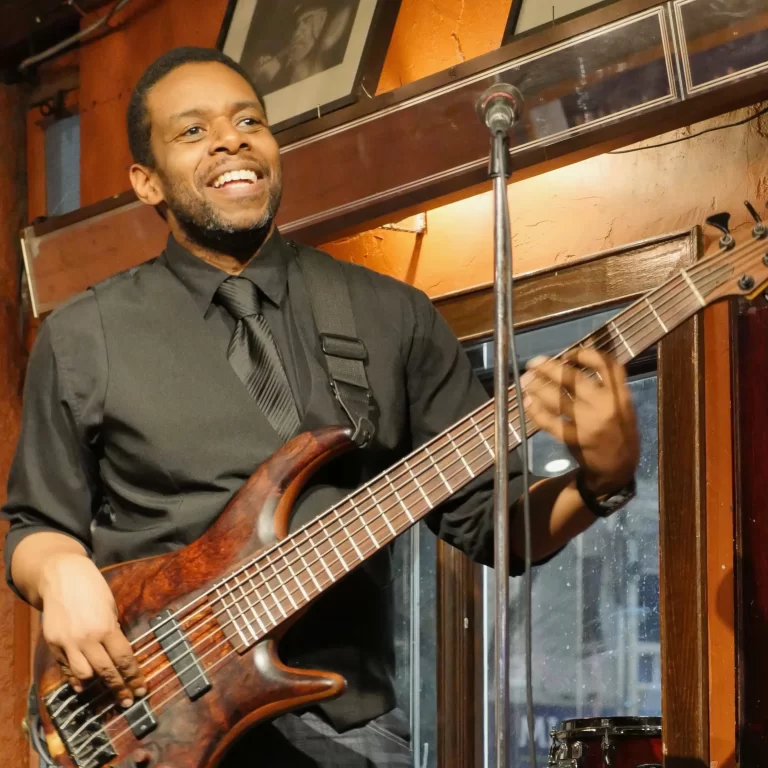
{"type": "Point", "coordinates": [442, 389]}
{"type": "Point", "coordinates": [51, 486]}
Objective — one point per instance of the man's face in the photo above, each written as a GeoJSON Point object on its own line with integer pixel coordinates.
{"type": "Point", "coordinates": [217, 163]}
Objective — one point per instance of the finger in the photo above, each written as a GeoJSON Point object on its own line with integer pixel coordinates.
{"type": "Point", "coordinates": [562, 430]}
{"type": "Point", "coordinates": [61, 657]}
{"type": "Point", "coordinates": [565, 376]}
{"type": "Point", "coordinates": [556, 400]}
{"type": "Point", "coordinates": [78, 665]}
{"type": "Point", "coordinates": [121, 653]}
{"type": "Point", "coordinates": [102, 665]}
{"type": "Point", "coordinates": [610, 371]}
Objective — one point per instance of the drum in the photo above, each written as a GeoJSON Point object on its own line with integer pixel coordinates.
{"type": "Point", "coordinates": [603, 742]}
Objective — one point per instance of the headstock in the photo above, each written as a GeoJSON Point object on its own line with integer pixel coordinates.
{"type": "Point", "coordinates": [738, 269]}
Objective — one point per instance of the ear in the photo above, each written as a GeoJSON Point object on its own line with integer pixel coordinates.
{"type": "Point", "coordinates": [146, 184]}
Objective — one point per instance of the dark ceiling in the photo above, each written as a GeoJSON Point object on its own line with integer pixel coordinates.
{"type": "Point", "coordinates": [30, 26]}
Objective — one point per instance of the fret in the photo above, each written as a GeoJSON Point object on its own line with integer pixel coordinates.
{"type": "Point", "coordinates": [296, 578]}
{"type": "Point", "coordinates": [437, 468]}
{"type": "Point", "coordinates": [623, 340]}
{"type": "Point", "coordinates": [386, 519]}
{"type": "Point", "coordinates": [276, 574]}
{"type": "Point", "coordinates": [514, 431]}
{"type": "Point", "coordinates": [482, 436]}
{"type": "Point", "coordinates": [338, 554]}
{"type": "Point", "coordinates": [264, 601]}
{"type": "Point", "coordinates": [402, 503]}
{"type": "Point", "coordinates": [656, 315]}
{"type": "Point", "coordinates": [233, 618]}
{"type": "Point", "coordinates": [246, 596]}
{"type": "Point", "coordinates": [693, 288]}
{"type": "Point", "coordinates": [418, 485]}
{"type": "Point", "coordinates": [306, 565]}
{"type": "Point", "coordinates": [321, 558]}
{"type": "Point", "coordinates": [359, 554]}
{"type": "Point", "coordinates": [461, 456]}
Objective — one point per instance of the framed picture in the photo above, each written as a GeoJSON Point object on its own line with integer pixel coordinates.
{"type": "Point", "coordinates": [525, 15]}
{"type": "Point", "coordinates": [309, 57]}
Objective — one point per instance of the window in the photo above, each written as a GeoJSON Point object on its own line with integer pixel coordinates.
{"type": "Point", "coordinates": [596, 605]}
{"type": "Point", "coordinates": [62, 166]}
{"type": "Point", "coordinates": [415, 567]}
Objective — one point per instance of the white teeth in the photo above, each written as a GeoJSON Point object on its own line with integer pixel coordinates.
{"type": "Point", "coordinates": [235, 176]}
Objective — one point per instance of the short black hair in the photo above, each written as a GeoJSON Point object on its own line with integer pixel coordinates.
{"type": "Point", "coordinates": [137, 117]}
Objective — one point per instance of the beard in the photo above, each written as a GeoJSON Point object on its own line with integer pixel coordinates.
{"type": "Point", "coordinates": [204, 226]}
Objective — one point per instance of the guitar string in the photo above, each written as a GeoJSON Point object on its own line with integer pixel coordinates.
{"type": "Point", "coordinates": [638, 305]}
{"type": "Point", "coordinates": [361, 514]}
{"type": "Point", "coordinates": [264, 583]}
{"type": "Point", "coordinates": [208, 669]}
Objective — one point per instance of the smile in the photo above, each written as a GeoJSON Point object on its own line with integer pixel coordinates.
{"type": "Point", "coordinates": [244, 177]}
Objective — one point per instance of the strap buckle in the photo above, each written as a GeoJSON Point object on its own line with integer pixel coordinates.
{"type": "Point", "coordinates": [346, 347]}
{"type": "Point", "coordinates": [357, 404]}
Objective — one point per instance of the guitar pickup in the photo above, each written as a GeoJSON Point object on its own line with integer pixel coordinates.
{"type": "Point", "coordinates": [184, 660]}
{"type": "Point", "coordinates": [141, 718]}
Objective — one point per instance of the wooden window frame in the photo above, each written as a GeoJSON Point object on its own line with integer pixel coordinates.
{"type": "Point", "coordinates": [554, 294]}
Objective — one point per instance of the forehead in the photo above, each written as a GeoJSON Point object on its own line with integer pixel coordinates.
{"type": "Point", "coordinates": [208, 87]}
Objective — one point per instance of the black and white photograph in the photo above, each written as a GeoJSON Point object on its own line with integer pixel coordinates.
{"type": "Point", "coordinates": [307, 57]}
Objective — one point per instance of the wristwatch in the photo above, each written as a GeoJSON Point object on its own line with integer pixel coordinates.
{"type": "Point", "coordinates": [606, 505]}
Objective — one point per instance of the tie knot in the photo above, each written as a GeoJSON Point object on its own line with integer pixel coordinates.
{"type": "Point", "coordinates": [240, 297]}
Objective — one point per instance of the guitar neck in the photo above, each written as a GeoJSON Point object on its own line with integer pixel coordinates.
{"type": "Point", "coordinates": [287, 577]}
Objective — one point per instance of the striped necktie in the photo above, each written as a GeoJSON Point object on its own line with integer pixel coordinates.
{"type": "Point", "coordinates": [253, 355]}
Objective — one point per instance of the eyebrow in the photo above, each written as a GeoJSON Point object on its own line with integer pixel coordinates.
{"type": "Point", "coordinates": [237, 107]}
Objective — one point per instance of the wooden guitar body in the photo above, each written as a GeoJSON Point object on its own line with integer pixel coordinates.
{"type": "Point", "coordinates": [246, 687]}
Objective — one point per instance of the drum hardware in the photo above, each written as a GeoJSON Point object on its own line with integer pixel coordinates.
{"type": "Point", "coordinates": [607, 742]}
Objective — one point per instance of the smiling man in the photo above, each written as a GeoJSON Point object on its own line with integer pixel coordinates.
{"type": "Point", "coordinates": [152, 397]}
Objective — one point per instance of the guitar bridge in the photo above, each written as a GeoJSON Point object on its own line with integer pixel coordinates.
{"type": "Point", "coordinates": [79, 721]}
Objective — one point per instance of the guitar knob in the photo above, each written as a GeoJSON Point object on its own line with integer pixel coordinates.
{"type": "Point", "coordinates": [759, 231]}
{"type": "Point", "coordinates": [720, 221]}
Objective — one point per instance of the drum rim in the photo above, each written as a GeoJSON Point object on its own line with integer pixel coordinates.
{"type": "Point", "coordinates": [612, 726]}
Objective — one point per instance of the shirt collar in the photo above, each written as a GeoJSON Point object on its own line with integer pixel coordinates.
{"type": "Point", "coordinates": [268, 271]}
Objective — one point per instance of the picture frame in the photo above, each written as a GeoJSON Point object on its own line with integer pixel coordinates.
{"type": "Point", "coordinates": [528, 15]}
{"type": "Point", "coordinates": [309, 57]}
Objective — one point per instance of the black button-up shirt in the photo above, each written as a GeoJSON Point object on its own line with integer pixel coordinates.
{"type": "Point", "coordinates": [56, 481]}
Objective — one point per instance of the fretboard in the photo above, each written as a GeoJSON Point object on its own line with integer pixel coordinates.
{"type": "Point", "coordinates": [283, 580]}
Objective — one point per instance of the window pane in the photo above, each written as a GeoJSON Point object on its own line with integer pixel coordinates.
{"type": "Point", "coordinates": [415, 568]}
{"type": "Point", "coordinates": [62, 166]}
{"type": "Point", "coordinates": [596, 610]}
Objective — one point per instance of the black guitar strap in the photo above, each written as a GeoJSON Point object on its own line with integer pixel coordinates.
{"type": "Point", "coordinates": [345, 354]}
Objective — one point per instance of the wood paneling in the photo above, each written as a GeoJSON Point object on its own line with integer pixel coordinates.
{"type": "Point", "coordinates": [752, 530]}
{"type": "Point", "coordinates": [719, 413]}
{"type": "Point", "coordinates": [682, 546]}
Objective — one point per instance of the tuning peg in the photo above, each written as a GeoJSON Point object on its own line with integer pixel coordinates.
{"type": "Point", "coordinates": [720, 221]}
{"type": "Point", "coordinates": [759, 231]}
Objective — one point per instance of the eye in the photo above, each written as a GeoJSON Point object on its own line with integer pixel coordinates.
{"type": "Point", "coordinates": [250, 122]}
{"type": "Point", "coordinates": [193, 131]}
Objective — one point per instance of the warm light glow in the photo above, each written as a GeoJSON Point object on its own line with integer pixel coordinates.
{"type": "Point", "coordinates": [557, 465]}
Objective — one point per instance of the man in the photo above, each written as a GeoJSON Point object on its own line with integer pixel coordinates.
{"type": "Point", "coordinates": [137, 427]}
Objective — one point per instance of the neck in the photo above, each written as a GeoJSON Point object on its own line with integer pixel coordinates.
{"type": "Point", "coordinates": [231, 263]}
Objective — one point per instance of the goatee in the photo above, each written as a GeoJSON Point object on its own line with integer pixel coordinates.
{"type": "Point", "coordinates": [202, 225]}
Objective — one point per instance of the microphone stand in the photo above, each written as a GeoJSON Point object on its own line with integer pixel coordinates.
{"type": "Point", "coordinates": [499, 108]}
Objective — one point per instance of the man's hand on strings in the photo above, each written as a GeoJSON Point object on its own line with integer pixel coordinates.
{"type": "Point", "coordinates": [583, 400]}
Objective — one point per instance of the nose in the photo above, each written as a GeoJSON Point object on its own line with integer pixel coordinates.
{"type": "Point", "coordinates": [227, 138]}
